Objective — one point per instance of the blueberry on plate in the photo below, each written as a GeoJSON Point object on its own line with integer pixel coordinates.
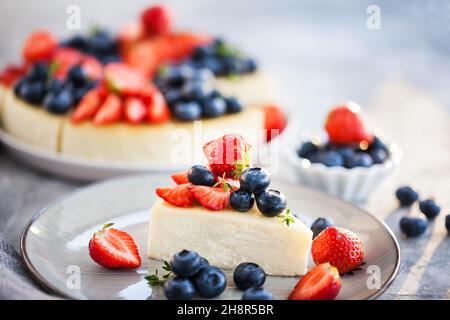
{"type": "Point", "coordinates": [358, 159]}
{"type": "Point", "coordinates": [201, 176]}
{"type": "Point", "coordinates": [186, 263]}
{"type": "Point", "coordinates": [179, 289]}
{"type": "Point", "coordinates": [247, 275]}
{"type": "Point", "coordinates": [32, 92]}
{"type": "Point", "coordinates": [233, 105]}
{"type": "Point", "coordinates": [327, 158]}
{"type": "Point", "coordinates": [378, 155]}
{"type": "Point", "coordinates": [210, 282]}
{"type": "Point", "coordinates": [187, 111]}
{"type": "Point", "coordinates": [257, 294]}
{"type": "Point", "coordinates": [406, 196]}
{"type": "Point", "coordinates": [38, 72]}
{"type": "Point", "coordinates": [254, 180]}
{"type": "Point", "coordinates": [307, 149]}
{"type": "Point", "coordinates": [77, 76]}
{"type": "Point", "coordinates": [447, 222]}
{"type": "Point", "coordinates": [241, 200]}
{"type": "Point", "coordinates": [413, 227]}
{"type": "Point", "coordinates": [271, 203]}
{"type": "Point", "coordinates": [319, 225]}
{"type": "Point", "coordinates": [214, 107]}
{"type": "Point", "coordinates": [429, 208]}
{"type": "Point", "coordinates": [59, 102]}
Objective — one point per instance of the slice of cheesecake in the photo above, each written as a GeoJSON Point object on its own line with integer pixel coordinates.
{"type": "Point", "coordinates": [227, 238]}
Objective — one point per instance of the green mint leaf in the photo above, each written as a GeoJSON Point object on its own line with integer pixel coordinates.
{"type": "Point", "coordinates": [106, 226]}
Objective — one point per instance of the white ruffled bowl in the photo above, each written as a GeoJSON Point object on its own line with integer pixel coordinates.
{"type": "Point", "coordinates": [353, 185]}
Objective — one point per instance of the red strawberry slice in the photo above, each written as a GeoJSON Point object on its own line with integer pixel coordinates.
{"type": "Point", "coordinates": [274, 121]}
{"type": "Point", "coordinates": [182, 44]}
{"type": "Point", "coordinates": [228, 156]}
{"type": "Point", "coordinates": [87, 107]}
{"type": "Point", "coordinates": [110, 111]}
{"type": "Point", "coordinates": [92, 67]}
{"type": "Point", "coordinates": [178, 195]}
{"type": "Point", "coordinates": [320, 283]}
{"type": "Point", "coordinates": [39, 46]}
{"type": "Point", "coordinates": [340, 247]}
{"type": "Point", "coordinates": [145, 55]}
{"type": "Point", "coordinates": [130, 33]}
{"type": "Point", "coordinates": [212, 198]}
{"type": "Point", "coordinates": [135, 110]}
{"type": "Point", "coordinates": [156, 20]}
{"type": "Point", "coordinates": [114, 249]}
{"type": "Point", "coordinates": [63, 59]}
{"type": "Point", "coordinates": [180, 177]}
{"type": "Point", "coordinates": [124, 80]}
{"type": "Point", "coordinates": [10, 74]}
{"type": "Point", "coordinates": [158, 111]}
{"type": "Point", "coordinates": [344, 125]}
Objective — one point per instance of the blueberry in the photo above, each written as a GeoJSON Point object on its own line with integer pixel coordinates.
{"type": "Point", "coordinates": [101, 43]}
{"type": "Point", "coordinates": [179, 289]}
{"type": "Point", "coordinates": [204, 262]}
{"type": "Point", "coordinates": [319, 225]}
{"type": "Point", "coordinates": [447, 222]}
{"type": "Point", "coordinates": [202, 52]}
{"type": "Point", "coordinates": [343, 150]}
{"type": "Point", "coordinates": [271, 203]}
{"type": "Point", "coordinates": [377, 144]}
{"type": "Point", "coordinates": [306, 149]}
{"type": "Point", "coordinates": [77, 76]}
{"type": "Point", "coordinates": [76, 42]}
{"type": "Point", "coordinates": [79, 93]}
{"type": "Point", "coordinates": [413, 227]}
{"type": "Point", "coordinates": [38, 72]}
{"type": "Point", "coordinates": [241, 200]}
{"type": "Point", "coordinates": [429, 208]}
{"type": "Point", "coordinates": [233, 105]}
{"type": "Point", "coordinates": [187, 111]}
{"type": "Point", "coordinates": [32, 92]}
{"type": "Point", "coordinates": [251, 65]}
{"type": "Point", "coordinates": [378, 155]}
{"type": "Point", "coordinates": [254, 180]}
{"type": "Point", "coordinates": [177, 75]}
{"type": "Point", "coordinates": [247, 275]}
{"type": "Point", "coordinates": [18, 85]}
{"type": "Point", "coordinates": [203, 74]}
{"type": "Point", "coordinates": [173, 96]}
{"type": "Point", "coordinates": [327, 158]}
{"type": "Point", "coordinates": [56, 85]}
{"type": "Point", "coordinates": [59, 102]}
{"type": "Point", "coordinates": [214, 107]}
{"type": "Point", "coordinates": [358, 159]}
{"type": "Point", "coordinates": [201, 175]}
{"type": "Point", "coordinates": [195, 90]}
{"type": "Point", "coordinates": [210, 282]}
{"type": "Point", "coordinates": [216, 65]}
{"type": "Point", "coordinates": [257, 294]}
{"type": "Point", "coordinates": [406, 196]}
{"type": "Point", "coordinates": [185, 263]}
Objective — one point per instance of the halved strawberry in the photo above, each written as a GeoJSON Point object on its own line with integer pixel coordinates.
{"type": "Point", "coordinates": [124, 80]}
{"type": "Point", "coordinates": [180, 177]}
{"type": "Point", "coordinates": [274, 121]}
{"type": "Point", "coordinates": [10, 74]}
{"type": "Point", "coordinates": [183, 43]}
{"type": "Point", "coordinates": [156, 20]}
{"type": "Point", "coordinates": [39, 46]}
{"type": "Point", "coordinates": [63, 59]}
{"type": "Point", "coordinates": [228, 156]}
{"type": "Point", "coordinates": [320, 283]}
{"type": "Point", "coordinates": [110, 110]}
{"type": "Point", "coordinates": [135, 110]}
{"type": "Point", "coordinates": [144, 54]}
{"type": "Point", "coordinates": [158, 111]}
{"type": "Point", "coordinates": [130, 33]}
{"type": "Point", "coordinates": [87, 107]}
{"type": "Point", "coordinates": [212, 198]}
{"type": "Point", "coordinates": [178, 195]}
{"type": "Point", "coordinates": [92, 67]}
{"type": "Point", "coordinates": [114, 249]}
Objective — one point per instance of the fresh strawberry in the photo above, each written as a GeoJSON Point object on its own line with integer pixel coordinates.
{"type": "Point", "coordinates": [63, 59]}
{"type": "Point", "coordinates": [320, 283]}
{"type": "Point", "coordinates": [274, 121]}
{"type": "Point", "coordinates": [228, 156]}
{"type": "Point", "coordinates": [130, 33]}
{"type": "Point", "coordinates": [88, 106]}
{"type": "Point", "coordinates": [344, 125]}
{"type": "Point", "coordinates": [92, 67]}
{"type": "Point", "coordinates": [231, 183]}
{"type": "Point", "coordinates": [143, 55]}
{"type": "Point", "coordinates": [212, 198]}
{"type": "Point", "coordinates": [180, 177]}
{"type": "Point", "coordinates": [340, 247]}
{"type": "Point", "coordinates": [182, 44]}
{"type": "Point", "coordinates": [135, 110]}
{"type": "Point", "coordinates": [110, 111]}
{"type": "Point", "coordinates": [158, 111]}
{"type": "Point", "coordinates": [39, 46]}
{"type": "Point", "coordinates": [114, 249]}
{"type": "Point", "coordinates": [10, 74]}
{"type": "Point", "coordinates": [178, 195]}
{"type": "Point", "coordinates": [157, 20]}
{"type": "Point", "coordinates": [124, 80]}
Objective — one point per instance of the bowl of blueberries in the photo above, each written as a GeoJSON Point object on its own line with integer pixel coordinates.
{"type": "Point", "coordinates": [348, 163]}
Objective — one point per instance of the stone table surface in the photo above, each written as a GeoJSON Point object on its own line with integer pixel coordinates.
{"type": "Point", "coordinates": [320, 53]}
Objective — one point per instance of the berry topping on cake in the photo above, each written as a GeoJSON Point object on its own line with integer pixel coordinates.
{"type": "Point", "coordinates": [179, 195]}
{"type": "Point", "coordinates": [114, 249]}
{"type": "Point", "coordinates": [339, 247]}
{"type": "Point", "coordinates": [110, 110]}
{"type": "Point", "coordinates": [124, 80]}
{"type": "Point", "coordinates": [254, 180]}
{"type": "Point", "coordinates": [180, 177]}
{"type": "Point", "coordinates": [201, 175]}
{"type": "Point", "coordinates": [271, 203]}
{"type": "Point", "coordinates": [87, 107]}
{"type": "Point", "coordinates": [135, 110]}
{"type": "Point", "coordinates": [39, 45]}
{"type": "Point", "coordinates": [320, 283]}
{"type": "Point", "coordinates": [156, 20]}
{"type": "Point", "coordinates": [10, 74]}
{"type": "Point", "coordinates": [228, 156]}
{"type": "Point", "coordinates": [242, 200]}
{"type": "Point", "coordinates": [212, 198]}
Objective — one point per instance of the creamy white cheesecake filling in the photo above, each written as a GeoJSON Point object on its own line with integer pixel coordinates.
{"type": "Point", "coordinates": [227, 238]}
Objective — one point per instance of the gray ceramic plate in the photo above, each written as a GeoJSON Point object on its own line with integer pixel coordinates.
{"type": "Point", "coordinates": [55, 244]}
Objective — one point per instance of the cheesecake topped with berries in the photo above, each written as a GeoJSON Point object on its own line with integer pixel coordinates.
{"type": "Point", "coordinates": [226, 213]}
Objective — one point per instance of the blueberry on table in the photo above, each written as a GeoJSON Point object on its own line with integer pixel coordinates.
{"type": "Point", "coordinates": [447, 222]}
{"type": "Point", "coordinates": [319, 225]}
{"type": "Point", "coordinates": [413, 227]}
{"type": "Point", "coordinates": [271, 203]}
{"type": "Point", "coordinates": [59, 102]}
{"type": "Point", "coordinates": [233, 105]}
{"type": "Point", "coordinates": [201, 176]}
{"type": "Point", "coordinates": [179, 289]}
{"type": "Point", "coordinates": [429, 208]}
{"type": "Point", "coordinates": [307, 149]}
{"type": "Point", "coordinates": [187, 111]}
{"type": "Point", "coordinates": [241, 200]}
{"type": "Point", "coordinates": [406, 196]}
{"type": "Point", "coordinates": [38, 72]}
{"type": "Point", "coordinates": [358, 159]}
{"type": "Point", "coordinates": [210, 282]}
{"type": "Point", "coordinates": [327, 158]}
{"type": "Point", "coordinates": [257, 294]}
{"type": "Point", "coordinates": [247, 275]}
{"type": "Point", "coordinates": [77, 76]}
{"type": "Point", "coordinates": [213, 107]}
{"type": "Point", "coordinates": [378, 155]}
{"type": "Point", "coordinates": [32, 92]}
{"type": "Point", "coordinates": [254, 180]}
{"type": "Point", "coordinates": [186, 263]}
